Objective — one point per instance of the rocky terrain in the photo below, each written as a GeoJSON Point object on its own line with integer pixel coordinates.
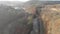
{"type": "Point", "coordinates": [51, 17]}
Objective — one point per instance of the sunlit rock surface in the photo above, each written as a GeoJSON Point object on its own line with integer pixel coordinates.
{"type": "Point", "coordinates": [51, 17]}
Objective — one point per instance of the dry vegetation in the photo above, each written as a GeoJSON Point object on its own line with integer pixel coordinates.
{"type": "Point", "coordinates": [51, 18]}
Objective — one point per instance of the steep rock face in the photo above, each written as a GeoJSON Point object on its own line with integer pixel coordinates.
{"type": "Point", "coordinates": [11, 18]}
{"type": "Point", "coordinates": [50, 15]}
